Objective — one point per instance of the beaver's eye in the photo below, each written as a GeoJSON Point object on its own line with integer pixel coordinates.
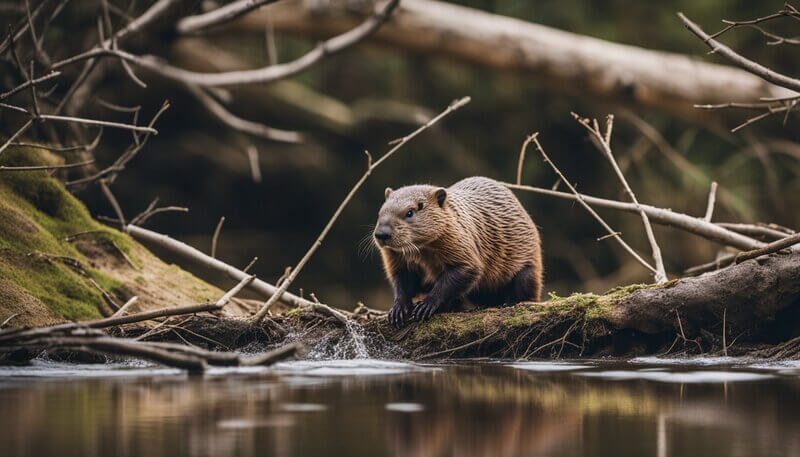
{"type": "Point", "coordinates": [409, 213]}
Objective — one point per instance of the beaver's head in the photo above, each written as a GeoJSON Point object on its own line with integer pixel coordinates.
{"type": "Point", "coordinates": [410, 218]}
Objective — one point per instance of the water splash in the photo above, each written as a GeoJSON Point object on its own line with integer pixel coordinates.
{"type": "Point", "coordinates": [357, 339]}
{"type": "Point", "coordinates": [352, 344]}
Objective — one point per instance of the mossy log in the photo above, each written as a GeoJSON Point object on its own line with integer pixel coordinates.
{"type": "Point", "coordinates": [755, 303]}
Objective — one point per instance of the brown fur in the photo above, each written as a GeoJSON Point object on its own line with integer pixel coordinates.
{"type": "Point", "coordinates": [480, 232]}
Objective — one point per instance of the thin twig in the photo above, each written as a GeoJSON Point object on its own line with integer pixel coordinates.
{"type": "Point", "coordinates": [186, 251]}
{"type": "Point", "coordinates": [604, 141]}
{"type": "Point", "coordinates": [255, 166]}
{"type": "Point", "coordinates": [458, 348]}
{"type": "Point", "coordinates": [34, 100]}
{"type": "Point", "coordinates": [588, 208]}
{"type": "Point", "coordinates": [683, 335]}
{"type": "Point", "coordinates": [775, 246]}
{"type": "Point", "coordinates": [9, 319]}
{"type": "Point", "coordinates": [242, 125]}
{"type": "Point", "coordinates": [16, 134]}
{"type": "Point", "coordinates": [113, 201]}
{"type": "Point", "coordinates": [756, 230]}
{"type": "Point", "coordinates": [371, 166]}
{"type": "Point", "coordinates": [84, 147]}
{"type": "Point", "coordinates": [36, 44]}
{"type": "Point", "coordinates": [119, 164]}
{"type": "Point", "coordinates": [262, 75]}
{"type": "Point", "coordinates": [662, 216]}
{"type": "Point", "coordinates": [523, 150]}
{"type": "Point", "coordinates": [235, 290]}
{"type": "Point", "coordinates": [47, 167]}
{"type": "Point", "coordinates": [28, 83]}
{"type": "Point", "coordinates": [250, 265]}
{"type": "Point", "coordinates": [221, 15]}
{"type": "Point", "coordinates": [118, 125]}
{"type": "Point", "coordinates": [740, 61]}
{"type": "Point", "coordinates": [724, 331]}
{"type": "Point", "coordinates": [712, 197]}
{"type": "Point", "coordinates": [216, 236]}
{"type": "Point", "coordinates": [124, 309]}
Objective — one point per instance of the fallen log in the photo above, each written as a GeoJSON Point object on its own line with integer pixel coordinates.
{"type": "Point", "coordinates": [567, 61]}
{"type": "Point", "coordinates": [756, 303]}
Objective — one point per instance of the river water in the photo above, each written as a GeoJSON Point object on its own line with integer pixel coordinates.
{"type": "Point", "coordinates": [644, 407]}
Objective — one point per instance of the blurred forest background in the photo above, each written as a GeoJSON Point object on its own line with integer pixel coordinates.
{"type": "Point", "coordinates": [373, 93]}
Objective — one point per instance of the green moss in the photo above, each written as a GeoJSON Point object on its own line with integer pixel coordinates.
{"type": "Point", "coordinates": [450, 325]}
{"type": "Point", "coordinates": [593, 306]}
{"type": "Point", "coordinates": [108, 283]}
{"type": "Point", "coordinates": [294, 311]}
{"type": "Point", "coordinates": [463, 326]}
{"type": "Point", "coordinates": [63, 291]}
{"type": "Point", "coordinates": [37, 213]}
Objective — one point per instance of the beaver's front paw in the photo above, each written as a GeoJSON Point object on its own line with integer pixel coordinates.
{"type": "Point", "coordinates": [424, 309]}
{"type": "Point", "coordinates": [398, 314]}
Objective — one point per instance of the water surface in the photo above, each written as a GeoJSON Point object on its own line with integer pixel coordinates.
{"type": "Point", "coordinates": [645, 407]}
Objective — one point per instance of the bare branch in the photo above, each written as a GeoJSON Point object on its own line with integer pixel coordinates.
{"type": "Point", "coordinates": [22, 29]}
{"type": "Point", "coordinates": [712, 197]}
{"type": "Point", "coordinates": [755, 230]}
{"type": "Point", "coordinates": [47, 167]}
{"type": "Point", "coordinates": [604, 142]}
{"type": "Point", "coordinates": [34, 100]}
{"type": "Point", "coordinates": [113, 201]}
{"type": "Point", "coordinates": [118, 125]}
{"type": "Point", "coordinates": [221, 15]}
{"type": "Point", "coordinates": [580, 199]}
{"type": "Point", "coordinates": [661, 216]}
{"type": "Point", "coordinates": [124, 309]}
{"type": "Point", "coordinates": [186, 251]}
{"type": "Point", "coordinates": [119, 164]}
{"type": "Point", "coordinates": [732, 259]}
{"type": "Point", "coordinates": [36, 43]}
{"type": "Point", "coordinates": [244, 77]}
{"type": "Point", "coordinates": [16, 134]}
{"type": "Point", "coordinates": [740, 61]}
{"type": "Point", "coordinates": [521, 160]}
{"type": "Point", "coordinates": [775, 246]}
{"type": "Point", "coordinates": [147, 215]}
{"type": "Point", "coordinates": [26, 84]}
{"type": "Point", "coordinates": [242, 125]}
{"type": "Point", "coordinates": [255, 166]}
{"type": "Point", "coordinates": [83, 147]}
{"type": "Point", "coordinates": [235, 290]}
{"type": "Point", "coordinates": [372, 165]}
{"type": "Point", "coordinates": [215, 237]}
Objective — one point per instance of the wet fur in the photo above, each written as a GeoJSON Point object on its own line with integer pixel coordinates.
{"type": "Point", "coordinates": [479, 244]}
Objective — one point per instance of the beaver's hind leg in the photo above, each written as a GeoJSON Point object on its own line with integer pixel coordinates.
{"type": "Point", "coordinates": [522, 287]}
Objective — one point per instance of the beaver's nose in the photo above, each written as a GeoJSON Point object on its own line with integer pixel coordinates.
{"type": "Point", "coordinates": [383, 233]}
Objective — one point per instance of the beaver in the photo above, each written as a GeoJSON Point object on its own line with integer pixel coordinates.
{"type": "Point", "coordinates": [473, 240]}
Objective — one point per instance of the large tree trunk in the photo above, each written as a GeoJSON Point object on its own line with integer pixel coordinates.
{"type": "Point", "coordinates": [569, 62]}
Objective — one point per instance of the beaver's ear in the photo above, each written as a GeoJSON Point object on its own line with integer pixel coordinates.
{"type": "Point", "coordinates": [387, 192]}
{"type": "Point", "coordinates": [441, 195]}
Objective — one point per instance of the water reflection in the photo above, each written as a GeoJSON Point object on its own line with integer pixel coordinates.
{"type": "Point", "coordinates": [371, 408]}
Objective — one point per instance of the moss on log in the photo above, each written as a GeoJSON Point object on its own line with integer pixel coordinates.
{"type": "Point", "coordinates": [57, 263]}
{"type": "Point", "coordinates": [756, 303]}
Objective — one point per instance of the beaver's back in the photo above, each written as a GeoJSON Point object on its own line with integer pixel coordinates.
{"type": "Point", "coordinates": [503, 233]}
